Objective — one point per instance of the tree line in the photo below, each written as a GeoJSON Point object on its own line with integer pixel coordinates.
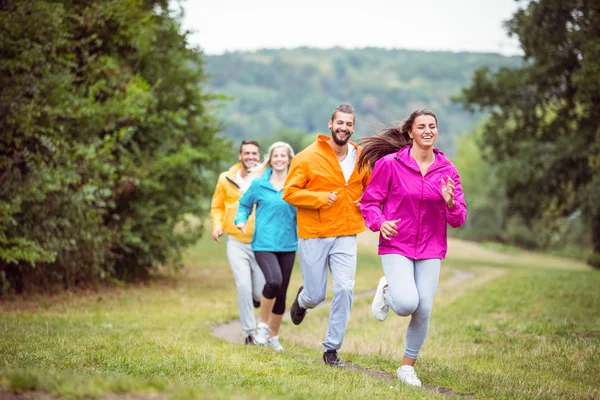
{"type": "Point", "coordinates": [296, 89]}
{"type": "Point", "coordinates": [540, 144]}
{"type": "Point", "coordinates": [110, 139]}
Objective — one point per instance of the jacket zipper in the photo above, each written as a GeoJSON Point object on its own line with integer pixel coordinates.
{"type": "Point", "coordinates": [232, 182]}
{"type": "Point", "coordinates": [420, 201]}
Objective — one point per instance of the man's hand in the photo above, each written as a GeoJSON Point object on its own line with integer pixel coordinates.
{"type": "Point", "coordinates": [241, 226]}
{"type": "Point", "coordinates": [357, 201]}
{"type": "Point", "coordinates": [389, 229]}
{"type": "Point", "coordinates": [332, 196]}
{"type": "Point", "coordinates": [216, 234]}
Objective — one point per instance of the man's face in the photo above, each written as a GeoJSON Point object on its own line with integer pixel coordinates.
{"type": "Point", "coordinates": [249, 156]}
{"type": "Point", "coordinates": [342, 127]}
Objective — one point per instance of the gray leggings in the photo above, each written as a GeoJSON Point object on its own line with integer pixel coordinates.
{"type": "Point", "coordinates": [411, 288]}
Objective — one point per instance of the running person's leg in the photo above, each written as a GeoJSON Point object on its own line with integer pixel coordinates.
{"type": "Point", "coordinates": [342, 263]}
{"type": "Point", "coordinates": [313, 255]}
{"type": "Point", "coordinates": [314, 259]}
{"type": "Point", "coordinates": [269, 265]}
{"type": "Point", "coordinates": [401, 294]}
{"type": "Point", "coordinates": [286, 263]}
{"type": "Point", "coordinates": [258, 277]}
{"type": "Point", "coordinates": [427, 273]}
{"type": "Point", "coordinates": [411, 289]}
{"type": "Point", "coordinates": [241, 266]}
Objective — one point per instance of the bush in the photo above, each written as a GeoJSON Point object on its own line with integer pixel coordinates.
{"type": "Point", "coordinates": [107, 141]}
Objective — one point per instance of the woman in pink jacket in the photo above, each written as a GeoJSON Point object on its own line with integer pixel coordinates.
{"type": "Point", "coordinates": [414, 192]}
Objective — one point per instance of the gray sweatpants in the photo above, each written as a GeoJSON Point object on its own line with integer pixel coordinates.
{"type": "Point", "coordinates": [338, 254]}
{"type": "Point", "coordinates": [411, 288]}
{"type": "Point", "coordinates": [249, 280]}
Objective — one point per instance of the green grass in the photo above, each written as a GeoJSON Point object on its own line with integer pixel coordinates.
{"type": "Point", "coordinates": [519, 325]}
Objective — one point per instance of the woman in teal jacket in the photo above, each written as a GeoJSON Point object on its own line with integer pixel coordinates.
{"type": "Point", "coordinates": [275, 238]}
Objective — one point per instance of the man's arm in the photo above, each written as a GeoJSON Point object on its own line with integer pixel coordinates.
{"type": "Point", "coordinates": [217, 211]}
{"type": "Point", "coordinates": [245, 205]}
{"type": "Point", "coordinates": [294, 191]}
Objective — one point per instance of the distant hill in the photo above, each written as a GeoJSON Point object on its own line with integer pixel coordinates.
{"type": "Point", "coordinates": [278, 90]}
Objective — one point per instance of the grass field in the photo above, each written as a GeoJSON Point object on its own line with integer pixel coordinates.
{"type": "Point", "coordinates": [505, 325]}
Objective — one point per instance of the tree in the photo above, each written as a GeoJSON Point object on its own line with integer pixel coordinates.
{"type": "Point", "coordinates": [107, 140]}
{"type": "Point", "coordinates": [544, 125]}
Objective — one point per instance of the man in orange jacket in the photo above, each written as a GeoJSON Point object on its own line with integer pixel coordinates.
{"type": "Point", "coordinates": [325, 186]}
{"type": "Point", "coordinates": [248, 276]}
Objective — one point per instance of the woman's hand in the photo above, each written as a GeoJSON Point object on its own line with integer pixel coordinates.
{"type": "Point", "coordinates": [448, 191]}
{"type": "Point", "coordinates": [389, 229]}
{"type": "Point", "coordinates": [241, 226]}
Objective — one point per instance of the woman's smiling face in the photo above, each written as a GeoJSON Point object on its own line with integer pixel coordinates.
{"type": "Point", "coordinates": [280, 159]}
{"type": "Point", "coordinates": [424, 131]}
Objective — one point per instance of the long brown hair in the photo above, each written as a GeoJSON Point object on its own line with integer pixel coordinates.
{"type": "Point", "coordinates": [388, 140]}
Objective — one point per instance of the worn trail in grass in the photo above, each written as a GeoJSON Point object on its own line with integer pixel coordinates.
{"type": "Point", "coordinates": [522, 325]}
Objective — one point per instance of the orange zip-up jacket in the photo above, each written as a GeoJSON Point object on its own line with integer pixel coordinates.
{"type": "Point", "coordinates": [315, 172]}
{"type": "Point", "coordinates": [224, 206]}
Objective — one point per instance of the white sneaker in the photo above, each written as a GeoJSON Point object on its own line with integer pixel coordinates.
{"type": "Point", "coordinates": [273, 342]}
{"type": "Point", "coordinates": [379, 306]}
{"type": "Point", "coordinates": [262, 333]}
{"type": "Point", "coordinates": [406, 374]}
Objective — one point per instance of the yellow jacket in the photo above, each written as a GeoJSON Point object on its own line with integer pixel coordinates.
{"type": "Point", "coordinates": [315, 172]}
{"type": "Point", "coordinates": [224, 206]}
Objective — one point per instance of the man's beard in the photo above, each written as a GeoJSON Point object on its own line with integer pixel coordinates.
{"type": "Point", "coordinates": [251, 164]}
{"type": "Point", "coordinates": [337, 141]}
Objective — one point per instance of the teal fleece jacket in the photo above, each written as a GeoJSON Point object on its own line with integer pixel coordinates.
{"type": "Point", "coordinates": [275, 228]}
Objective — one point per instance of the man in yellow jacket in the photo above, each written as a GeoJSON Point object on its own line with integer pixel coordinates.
{"type": "Point", "coordinates": [248, 276]}
{"type": "Point", "coordinates": [325, 185]}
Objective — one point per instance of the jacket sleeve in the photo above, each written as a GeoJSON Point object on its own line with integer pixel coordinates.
{"type": "Point", "coordinates": [457, 215]}
{"type": "Point", "coordinates": [294, 191]}
{"type": "Point", "coordinates": [246, 204]}
{"type": "Point", "coordinates": [366, 179]}
{"type": "Point", "coordinates": [375, 195]}
{"type": "Point", "coordinates": [217, 206]}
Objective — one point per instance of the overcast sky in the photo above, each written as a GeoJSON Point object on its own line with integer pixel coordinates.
{"type": "Point", "coordinates": [454, 25]}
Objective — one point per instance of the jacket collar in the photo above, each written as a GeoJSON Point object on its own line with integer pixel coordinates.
{"type": "Point", "coordinates": [264, 178]}
{"type": "Point", "coordinates": [324, 139]}
{"type": "Point", "coordinates": [230, 176]}
{"type": "Point", "coordinates": [233, 170]}
{"type": "Point", "coordinates": [403, 155]}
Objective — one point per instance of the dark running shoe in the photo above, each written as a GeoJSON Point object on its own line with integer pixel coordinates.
{"type": "Point", "coordinates": [297, 313]}
{"type": "Point", "coordinates": [330, 357]}
{"type": "Point", "coordinates": [249, 340]}
{"type": "Point", "coordinates": [256, 303]}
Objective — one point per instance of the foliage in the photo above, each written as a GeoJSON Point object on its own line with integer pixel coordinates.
{"type": "Point", "coordinates": [488, 206]}
{"type": "Point", "coordinates": [294, 137]}
{"type": "Point", "coordinates": [544, 126]}
{"type": "Point", "coordinates": [106, 142]}
{"type": "Point", "coordinates": [298, 89]}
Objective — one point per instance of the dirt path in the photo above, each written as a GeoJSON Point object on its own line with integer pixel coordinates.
{"type": "Point", "coordinates": [231, 332]}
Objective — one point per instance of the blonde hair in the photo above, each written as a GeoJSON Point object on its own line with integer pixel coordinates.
{"type": "Point", "coordinates": [262, 167]}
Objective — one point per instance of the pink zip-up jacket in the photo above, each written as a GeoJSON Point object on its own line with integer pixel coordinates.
{"type": "Point", "coordinates": [398, 191]}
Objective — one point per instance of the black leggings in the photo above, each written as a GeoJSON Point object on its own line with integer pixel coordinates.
{"type": "Point", "coordinates": [277, 268]}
